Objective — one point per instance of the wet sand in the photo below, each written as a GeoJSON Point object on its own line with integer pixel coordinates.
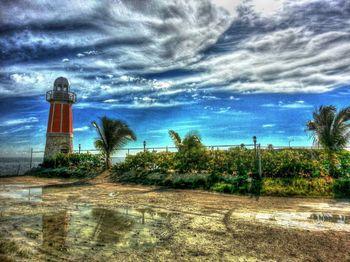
{"type": "Point", "coordinates": [49, 220]}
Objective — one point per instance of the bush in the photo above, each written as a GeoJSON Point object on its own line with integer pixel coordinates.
{"type": "Point", "coordinates": [285, 163]}
{"type": "Point", "coordinates": [297, 186]}
{"type": "Point", "coordinates": [292, 163]}
{"type": "Point", "coordinates": [235, 161]}
{"type": "Point", "coordinates": [62, 172]}
{"type": "Point", "coordinates": [236, 184]}
{"type": "Point", "coordinates": [191, 181]}
{"type": "Point", "coordinates": [194, 159]}
{"type": "Point", "coordinates": [341, 187]}
{"type": "Point", "coordinates": [146, 161]}
{"type": "Point", "coordinates": [70, 165]}
{"type": "Point", "coordinates": [222, 187]}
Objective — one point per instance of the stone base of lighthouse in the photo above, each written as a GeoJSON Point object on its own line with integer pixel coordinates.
{"type": "Point", "coordinates": [58, 143]}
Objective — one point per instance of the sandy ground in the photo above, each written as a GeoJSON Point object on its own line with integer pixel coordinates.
{"type": "Point", "coordinates": [99, 221]}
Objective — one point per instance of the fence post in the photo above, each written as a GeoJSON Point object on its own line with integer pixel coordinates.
{"type": "Point", "coordinates": [31, 158]}
{"type": "Point", "coordinates": [166, 149]}
{"type": "Point", "coordinates": [260, 168]}
{"type": "Point", "coordinates": [256, 160]}
{"type": "Point", "coordinates": [144, 146]}
{"type": "Point", "coordinates": [79, 148]}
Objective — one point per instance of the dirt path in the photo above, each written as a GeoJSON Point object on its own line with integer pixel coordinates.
{"type": "Point", "coordinates": [99, 221]}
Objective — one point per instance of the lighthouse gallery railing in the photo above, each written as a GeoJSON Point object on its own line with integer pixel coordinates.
{"type": "Point", "coordinates": [61, 96]}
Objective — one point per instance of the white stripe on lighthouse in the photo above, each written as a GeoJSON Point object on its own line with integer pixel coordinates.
{"type": "Point", "coordinates": [61, 118]}
{"type": "Point", "coordinates": [53, 114]}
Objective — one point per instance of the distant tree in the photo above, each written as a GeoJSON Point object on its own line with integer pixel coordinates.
{"type": "Point", "coordinates": [331, 130]}
{"type": "Point", "coordinates": [113, 135]}
{"type": "Point", "coordinates": [192, 140]}
{"type": "Point", "coordinates": [191, 153]}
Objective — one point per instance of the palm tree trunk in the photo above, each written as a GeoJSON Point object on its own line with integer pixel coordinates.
{"type": "Point", "coordinates": [108, 161]}
{"type": "Point", "coordinates": [332, 163]}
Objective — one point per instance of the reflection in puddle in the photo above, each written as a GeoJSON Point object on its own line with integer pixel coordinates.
{"type": "Point", "coordinates": [333, 218]}
{"type": "Point", "coordinates": [21, 192]}
{"type": "Point", "coordinates": [85, 229]}
{"type": "Point", "coordinates": [55, 229]}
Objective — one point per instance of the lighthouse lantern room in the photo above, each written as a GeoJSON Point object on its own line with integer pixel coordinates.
{"type": "Point", "coordinates": [59, 136]}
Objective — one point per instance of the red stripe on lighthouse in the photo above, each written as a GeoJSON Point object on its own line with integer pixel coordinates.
{"type": "Point", "coordinates": [49, 124]}
{"type": "Point", "coordinates": [57, 118]}
{"type": "Point", "coordinates": [65, 119]}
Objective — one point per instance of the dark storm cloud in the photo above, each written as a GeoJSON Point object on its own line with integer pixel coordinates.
{"type": "Point", "coordinates": [155, 49]}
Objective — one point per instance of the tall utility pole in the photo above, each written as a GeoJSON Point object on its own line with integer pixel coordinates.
{"type": "Point", "coordinates": [144, 146]}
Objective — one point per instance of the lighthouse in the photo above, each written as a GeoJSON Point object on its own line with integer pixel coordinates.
{"type": "Point", "coordinates": [59, 135]}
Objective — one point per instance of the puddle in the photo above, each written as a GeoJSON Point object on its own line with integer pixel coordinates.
{"type": "Point", "coordinates": [21, 192]}
{"type": "Point", "coordinates": [299, 220]}
{"type": "Point", "coordinates": [84, 229]}
{"type": "Point", "coordinates": [328, 217]}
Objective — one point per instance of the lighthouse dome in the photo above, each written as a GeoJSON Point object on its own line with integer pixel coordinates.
{"type": "Point", "coordinates": [61, 84]}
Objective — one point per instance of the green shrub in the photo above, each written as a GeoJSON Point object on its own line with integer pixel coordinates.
{"type": "Point", "coordinates": [142, 161]}
{"type": "Point", "coordinates": [189, 181]}
{"type": "Point", "coordinates": [297, 186]}
{"type": "Point", "coordinates": [287, 163]}
{"type": "Point", "coordinates": [341, 187]}
{"type": "Point", "coordinates": [235, 184]}
{"type": "Point", "coordinates": [235, 161]}
{"type": "Point", "coordinates": [62, 172]}
{"type": "Point", "coordinates": [192, 159]}
{"type": "Point", "coordinates": [292, 163]}
{"type": "Point", "coordinates": [343, 167]}
{"type": "Point", "coordinates": [70, 165]}
{"type": "Point", "coordinates": [81, 161]}
{"type": "Point", "coordinates": [223, 187]}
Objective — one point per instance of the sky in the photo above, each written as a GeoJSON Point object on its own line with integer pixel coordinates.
{"type": "Point", "coordinates": [229, 69]}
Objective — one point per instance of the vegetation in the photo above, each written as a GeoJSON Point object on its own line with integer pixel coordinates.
{"type": "Point", "coordinates": [191, 152]}
{"type": "Point", "coordinates": [113, 135]}
{"type": "Point", "coordinates": [70, 166]}
{"type": "Point", "coordinates": [297, 186]}
{"type": "Point", "coordinates": [288, 172]}
{"type": "Point", "coordinates": [331, 130]}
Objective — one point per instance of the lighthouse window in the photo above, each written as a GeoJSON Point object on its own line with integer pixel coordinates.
{"type": "Point", "coordinates": [64, 150]}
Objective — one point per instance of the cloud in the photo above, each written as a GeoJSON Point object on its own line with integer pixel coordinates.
{"type": "Point", "coordinates": [268, 125]}
{"type": "Point", "coordinates": [81, 129]}
{"type": "Point", "coordinates": [294, 105]}
{"type": "Point", "coordinates": [178, 53]}
{"type": "Point", "coordinates": [19, 121]}
{"type": "Point", "coordinates": [17, 129]}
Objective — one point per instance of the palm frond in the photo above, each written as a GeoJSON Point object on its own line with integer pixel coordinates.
{"type": "Point", "coordinates": [113, 135]}
{"type": "Point", "coordinates": [329, 128]}
{"type": "Point", "coordinates": [176, 138]}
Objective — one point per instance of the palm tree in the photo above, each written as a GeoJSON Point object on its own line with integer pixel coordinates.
{"type": "Point", "coordinates": [331, 130]}
{"type": "Point", "coordinates": [191, 152]}
{"type": "Point", "coordinates": [192, 140]}
{"type": "Point", "coordinates": [113, 135]}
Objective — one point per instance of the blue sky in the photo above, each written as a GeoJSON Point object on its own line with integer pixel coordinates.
{"type": "Point", "coordinates": [230, 69]}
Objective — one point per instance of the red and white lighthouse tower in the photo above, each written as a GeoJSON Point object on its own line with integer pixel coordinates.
{"type": "Point", "coordinates": [59, 136]}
